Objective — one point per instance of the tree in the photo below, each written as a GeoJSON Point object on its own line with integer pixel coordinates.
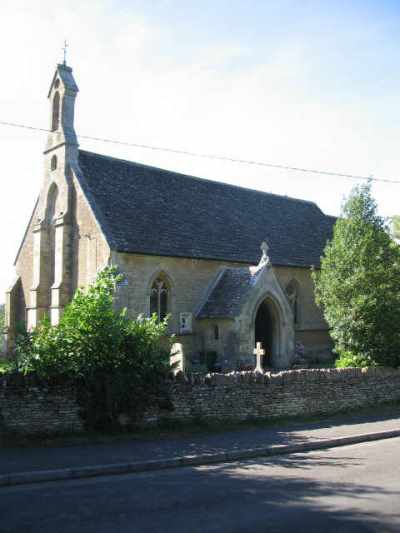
{"type": "Point", "coordinates": [396, 226]}
{"type": "Point", "coordinates": [2, 324]}
{"type": "Point", "coordinates": [358, 286]}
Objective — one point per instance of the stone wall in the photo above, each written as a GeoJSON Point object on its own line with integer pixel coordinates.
{"type": "Point", "coordinates": [244, 396]}
{"type": "Point", "coordinates": [91, 252]}
{"type": "Point", "coordinates": [30, 407]}
{"type": "Point", "coordinates": [191, 279]}
{"type": "Point", "coordinates": [88, 250]}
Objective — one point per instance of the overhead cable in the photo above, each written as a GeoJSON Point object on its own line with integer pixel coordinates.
{"type": "Point", "coordinates": [215, 156]}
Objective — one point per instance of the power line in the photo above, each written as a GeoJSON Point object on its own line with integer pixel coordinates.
{"type": "Point", "coordinates": [213, 156]}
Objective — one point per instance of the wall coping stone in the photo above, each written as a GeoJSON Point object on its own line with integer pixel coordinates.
{"type": "Point", "coordinates": [282, 376]}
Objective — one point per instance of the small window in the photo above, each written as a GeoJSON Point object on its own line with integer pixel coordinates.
{"type": "Point", "coordinates": [159, 299]}
{"type": "Point", "coordinates": [53, 164]}
{"type": "Point", "coordinates": [216, 333]}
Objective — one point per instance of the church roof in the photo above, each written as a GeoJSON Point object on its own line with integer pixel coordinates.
{"type": "Point", "coordinates": [147, 210]}
{"type": "Point", "coordinates": [227, 295]}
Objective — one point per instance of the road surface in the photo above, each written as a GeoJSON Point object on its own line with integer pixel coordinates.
{"type": "Point", "coordinates": [349, 489]}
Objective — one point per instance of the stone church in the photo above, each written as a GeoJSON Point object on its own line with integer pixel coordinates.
{"type": "Point", "coordinates": [230, 265]}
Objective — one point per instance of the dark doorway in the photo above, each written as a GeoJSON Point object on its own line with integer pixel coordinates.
{"type": "Point", "coordinates": [264, 328]}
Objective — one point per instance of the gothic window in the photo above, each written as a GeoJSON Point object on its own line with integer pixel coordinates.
{"type": "Point", "coordinates": [159, 297]}
{"type": "Point", "coordinates": [53, 163]}
{"type": "Point", "coordinates": [56, 112]}
{"type": "Point", "coordinates": [216, 332]}
{"type": "Point", "coordinates": [292, 292]}
{"type": "Point", "coordinates": [50, 215]}
{"type": "Point", "coordinates": [51, 203]}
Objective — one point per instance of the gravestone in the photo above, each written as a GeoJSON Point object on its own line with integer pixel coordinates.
{"type": "Point", "coordinates": [259, 353]}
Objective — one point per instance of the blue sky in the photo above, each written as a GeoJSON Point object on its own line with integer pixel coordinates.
{"type": "Point", "coordinates": [304, 83]}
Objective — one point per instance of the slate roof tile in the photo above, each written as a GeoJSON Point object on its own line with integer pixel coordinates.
{"type": "Point", "coordinates": [148, 210]}
{"type": "Point", "coordinates": [226, 297]}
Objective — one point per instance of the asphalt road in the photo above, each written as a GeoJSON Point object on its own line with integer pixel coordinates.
{"type": "Point", "coordinates": [134, 448]}
{"type": "Point", "coordinates": [353, 488]}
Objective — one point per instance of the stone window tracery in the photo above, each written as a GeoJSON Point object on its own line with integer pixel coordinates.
{"type": "Point", "coordinates": [159, 298]}
{"type": "Point", "coordinates": [292, 292]}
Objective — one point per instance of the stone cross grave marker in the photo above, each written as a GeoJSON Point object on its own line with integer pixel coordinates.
{"type": "Point", "coordinates": [259, 353]}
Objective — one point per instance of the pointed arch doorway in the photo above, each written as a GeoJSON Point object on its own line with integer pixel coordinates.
{"type": "Point", "coordinates": [266, 331]}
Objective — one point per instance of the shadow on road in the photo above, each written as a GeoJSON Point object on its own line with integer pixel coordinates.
{"type": "Point", "coordinates": [316, 492]}
{"type": "Point", "coordinates": [28, 459]}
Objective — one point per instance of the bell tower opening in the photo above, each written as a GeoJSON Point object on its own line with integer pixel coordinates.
{"type": "Point", "coordinates": [55, 119]}
{"type": "Point", "coordinates": [62, 95]}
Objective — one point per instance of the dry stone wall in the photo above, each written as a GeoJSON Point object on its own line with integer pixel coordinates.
{"type": "Point", "coordinates": [29, 407]}
{"type": "Point", "coordinates": [244, 396]}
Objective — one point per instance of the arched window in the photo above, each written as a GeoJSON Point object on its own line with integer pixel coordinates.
{"type": "Point", "coordinates": [159, 298]}
{"type": "Point", "coordinates": [51, 203]}
{"type": "Point", "coordinates": [53, 164]}
{"type": "Point", "coordinates": [216, 332]}
{"type": "Point", "coordinates": [56, 112]}
{"type": "Point", "coordinates": [292, 292]}
{"type": "Point", "coordinates": [51, 212]}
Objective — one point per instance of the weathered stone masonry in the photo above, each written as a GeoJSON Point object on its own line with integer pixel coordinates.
{"type": "Point", "coordinates": [29, 407]}
{"type": "Point", "coordinates": [244, 396]}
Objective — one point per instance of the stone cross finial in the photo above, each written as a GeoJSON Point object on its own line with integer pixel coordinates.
{"type": "Point", "coordinates": [259, 353]}
{"type": "Point", "coordinates": [264, 249]}
{"type": "Point", "coordinates": [64, 49]}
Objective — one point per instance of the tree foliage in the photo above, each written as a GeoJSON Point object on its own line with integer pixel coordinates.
{"type": "Point", "coordinates": [2, 324]}
{"type": "Point", "coordinates": [396, 226]}
{"type": "Point", "coordinates": [358, 286]}
{"type": "Point", "coordinates": [119, 363]}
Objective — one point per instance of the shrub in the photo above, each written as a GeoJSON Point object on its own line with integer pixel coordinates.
{"type": "Point", "coordinates": [358, 286]}
{"type": "Point", "coordinates": [119, 364]}
{"type": "Point", "coordinates": [5, 366]}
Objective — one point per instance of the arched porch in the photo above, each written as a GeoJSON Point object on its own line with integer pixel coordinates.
{"type": "Point", "coordinates": [267, 327]}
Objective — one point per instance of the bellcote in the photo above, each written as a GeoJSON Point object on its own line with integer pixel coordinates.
{"type": "Point", "coordinates": [62, 94]}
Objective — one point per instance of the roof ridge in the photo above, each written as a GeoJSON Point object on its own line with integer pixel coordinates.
{"type": "Point", "coordinates": [231, 185]}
